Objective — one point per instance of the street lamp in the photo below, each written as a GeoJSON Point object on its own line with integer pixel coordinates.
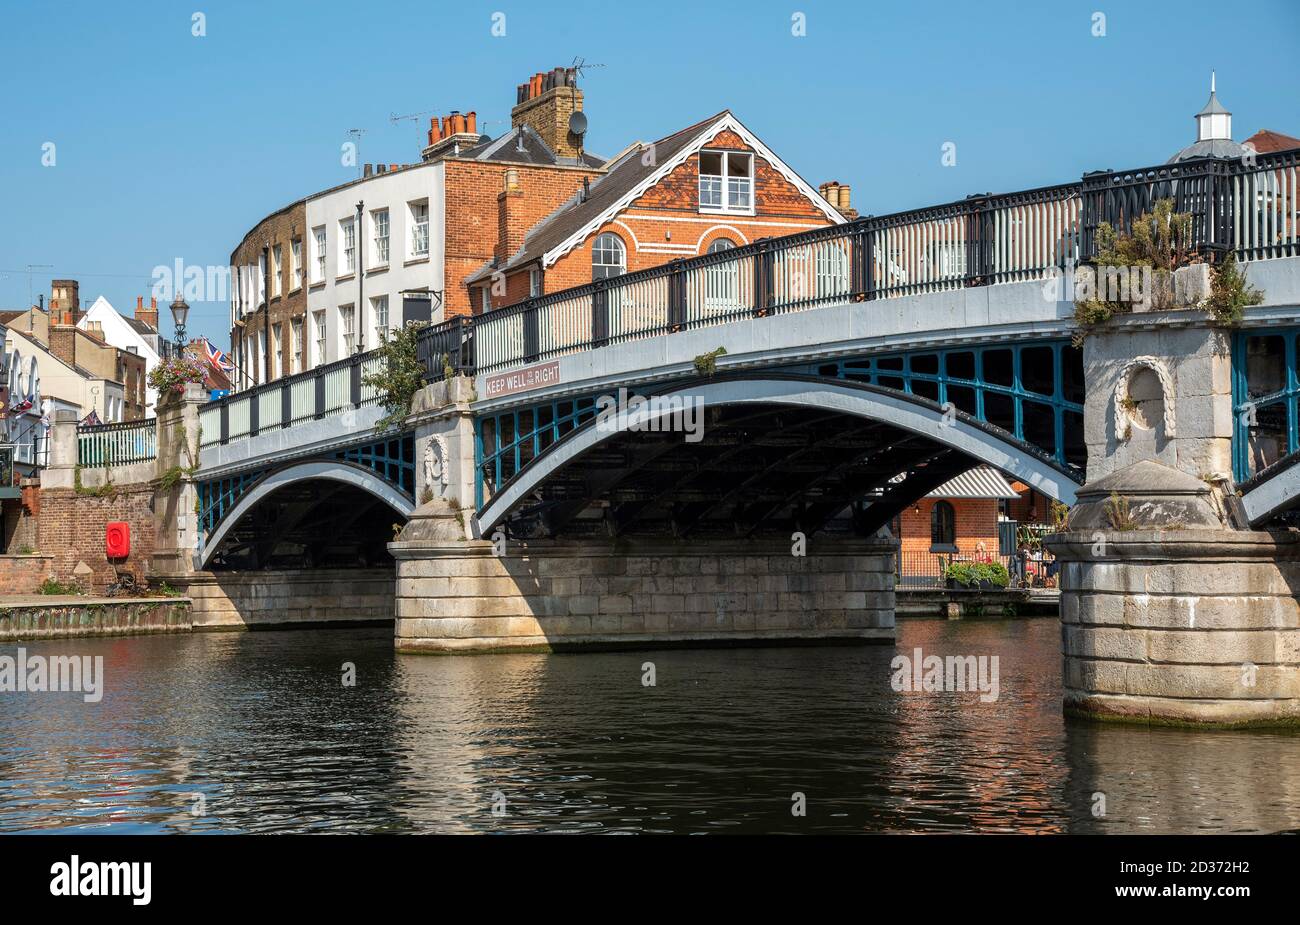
{"type": "Point", "coordinates": [180, 311]}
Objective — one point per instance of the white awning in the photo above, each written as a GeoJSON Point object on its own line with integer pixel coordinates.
{"type": "Point", "coordinates": [980, 482]}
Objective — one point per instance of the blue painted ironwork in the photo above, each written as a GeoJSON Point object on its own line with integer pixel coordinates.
{"type": "Point", "coordinates": [391, 458]}
{"type": "Point", "coordinates": [1032, 390]}
{"type": "Point", "coordinates": [1265, 399]}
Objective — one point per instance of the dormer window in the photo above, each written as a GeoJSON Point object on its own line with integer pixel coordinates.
{"type": "Point", "coordinates": [727, 181]}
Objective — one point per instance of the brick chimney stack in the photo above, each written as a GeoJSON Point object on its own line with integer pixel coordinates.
{"type": "Point", "coordinates": [65, 301]}
{"type": "Point", "coordinates": [511, 220]}
{"type": "Point", "coordinates": [837, 194]}
{"type": "Point", "coordinates": [148, 315]}
{"type": "Point", "coordinates": [450, 135]}
{"type": "Point", "coordinates": [545, 103]}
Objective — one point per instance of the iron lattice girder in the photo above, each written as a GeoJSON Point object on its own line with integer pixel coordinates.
{"type": "Point", "coordinates": [737, 478]}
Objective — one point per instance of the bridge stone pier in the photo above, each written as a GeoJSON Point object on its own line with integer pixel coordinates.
{"type": "Point", "coordinates": [1173, 610]}
{"type": "Point", "coordinates": [460, 593]}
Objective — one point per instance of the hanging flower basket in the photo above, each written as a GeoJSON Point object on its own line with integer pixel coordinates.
{"type": "Point", "coordinates": [174, 373]}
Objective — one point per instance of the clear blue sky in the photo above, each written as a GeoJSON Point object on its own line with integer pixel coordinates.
{"type": "Point", "coordinates": [171, 146]}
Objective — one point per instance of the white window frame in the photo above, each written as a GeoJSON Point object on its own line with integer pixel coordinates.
{"type": "Point", "coordinates": [277, 341]}
{"type": "Point", "coordinates": [320, 245]}
{"type": "Point", "coordinates": [379, 311]}
{"type": "Point", "coordinates": [347, 246]}
{"type": "Point", "coordinates": [261, 279]}
{"type": "Point", "coordinates": [277, 269]}
{"type": "Point", "coordinates": [379, 220]}
{"type": "Point", "coordinates": [322, 337]}
{"type": "Point", "coordinates": [534, 282]}
{"type": "Point", "coordinates": [295, 346]}
{"type": "Point", "coordinates": [720, 189]}
{"type": "Point", "coordinates": [295, 264]}
{"type": "Point", "coordinates": [347, 329]}
{"type": "Point", "coordinates": [419, 228]}
{"type": "Point", "coordinates": [598, 249]}
{"type": "Point", "coordinates": [485, 300]}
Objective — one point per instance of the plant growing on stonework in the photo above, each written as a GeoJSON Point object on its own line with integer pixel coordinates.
{"type": "Point", "coordinates": [706, 364]}
{"type": "Point", "coordinates": [1230, 294]}
{"type": "Point", "coordinates": [400, 374]}
{"type": "Point", "coordinates": [1060, 514]}
{"type": "Point", "coordinates": [172, 374]}
{"type": "Point", "coordinates": [1118, 513]}
{"type": "Point", "coordinates": [1159, 241]}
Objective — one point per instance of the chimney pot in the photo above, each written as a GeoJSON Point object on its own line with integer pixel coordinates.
{"type": "Point", "coordinates": [471, 122]}
{"type": "Point", "coordinates": [367, 170]}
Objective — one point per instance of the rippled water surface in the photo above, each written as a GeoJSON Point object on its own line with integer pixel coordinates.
{"type": "Point", "coordinates": [260, 725]}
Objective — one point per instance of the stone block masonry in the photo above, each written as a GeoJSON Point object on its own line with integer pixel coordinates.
{"type": "Point", "coordinates": [289, 598]}
{"type": "Point", "coordinates": [1182, 627]}
{"type": "Point", "coordinates": [457, 597]}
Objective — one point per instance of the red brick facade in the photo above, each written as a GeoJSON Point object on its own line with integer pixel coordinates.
{"type": "Point", "coordinates": [665, 223]}
{"type": "Point", "coordinates": [474, 204]}
{"type": "Point", "coordinates": [72, 528]}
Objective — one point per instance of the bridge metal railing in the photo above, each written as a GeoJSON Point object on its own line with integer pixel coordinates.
{"type": "Point", "coordinates": [318, 393]}
{"type": "Point", "coordinates": [119, 444]}
{"type": "Point", "coordinates": [1247, 206]}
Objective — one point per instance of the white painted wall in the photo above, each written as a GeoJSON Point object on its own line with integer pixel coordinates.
{"type": "Point", "coordinates": [120, 334]}
{"type": "Point", "coordinates": [394, 191]}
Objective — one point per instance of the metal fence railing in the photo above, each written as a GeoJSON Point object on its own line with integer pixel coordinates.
{"type": "Point", "coordinates": [1246, 207]}
{"type": "Point", "coordinates": [119, 444]}
{"type": "Point", "coordinates": [1031, 568]}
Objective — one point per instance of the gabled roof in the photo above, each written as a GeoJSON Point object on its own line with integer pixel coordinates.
{"type": "Point", "coordinates": [523, 145]}
{"type": "Point", "coordinates": [627, 179]}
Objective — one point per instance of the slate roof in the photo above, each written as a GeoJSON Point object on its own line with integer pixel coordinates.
{"type": "Point", "coordinates": [522, 145]}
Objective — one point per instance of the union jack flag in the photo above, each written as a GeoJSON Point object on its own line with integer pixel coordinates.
{"type": "Point", "coordinates": [92, 418]}
{"type": "Point", "coordinates": [216, 357]}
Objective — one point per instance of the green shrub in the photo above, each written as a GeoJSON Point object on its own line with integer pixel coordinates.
{"type": "Point", "coordinates": [970, 573]}
{"type": "Point", "coordinates": [52, 585]}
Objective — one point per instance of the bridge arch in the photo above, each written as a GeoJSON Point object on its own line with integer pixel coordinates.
{"type": "Point", "coordinates": [330, 471]}
{"type": "Point", "coordinates": [922, 422]}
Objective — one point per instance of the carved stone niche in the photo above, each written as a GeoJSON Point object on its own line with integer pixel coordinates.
{"type": "Point", "coordinates": [1144, 397]}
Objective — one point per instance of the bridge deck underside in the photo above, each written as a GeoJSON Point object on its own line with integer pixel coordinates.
{"type": "Point", "coordinates": [313, 523]}
{"type": "Point", "coordinates": [757, 469]}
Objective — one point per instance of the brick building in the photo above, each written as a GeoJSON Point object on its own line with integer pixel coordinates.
{"type": "Point", "coordinates": [711, 186]}
{"type": "Point", "coordinates": [977, 516]}
{"type": "Point", "coordinates": [329, 275]}
{"type": "Point", "coordinates": [269, 303]}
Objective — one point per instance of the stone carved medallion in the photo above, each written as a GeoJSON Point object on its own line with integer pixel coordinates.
{"type": "Point", "coordinates": [435, 465]}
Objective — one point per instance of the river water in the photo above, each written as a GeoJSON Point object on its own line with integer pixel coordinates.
{"type": "Point", "coordinates": [256, 732]}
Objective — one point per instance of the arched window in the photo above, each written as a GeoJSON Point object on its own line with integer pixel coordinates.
{"type": "Point", "coordinates": [943, 527]}
{"type": "Point", "coordinates": [721, 280]}
{"type": "Point", "coordinates": [608, 258]}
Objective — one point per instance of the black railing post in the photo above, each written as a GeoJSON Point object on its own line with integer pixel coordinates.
{"type": "Point", "coordinates": [252, 412]}
{"type": "Point", "coordinates": [354, 379]}
{"type": "Point", "coordinates": [869, 263]}
{"type": "Point", "coordinates": [286, 402]}
{"type": "Point", "coordinates": [225, 420]}
{"type": "Point", "coordinates": [532, 334]}
{"type": "Point", "coordinates": [318, 393]}
{"type": "Point", "coordinates": [676, 297]}
{"type": "Point", "coordinates": [464, 333]}
{"type": "Point", "coordinates": [599, 314]}
{"type": "Point", "coordinates": [763, 276]}
{"type": "Point", "coordinates": [859, 262]}
{"type": "Point", "coordinates": [979, 240]}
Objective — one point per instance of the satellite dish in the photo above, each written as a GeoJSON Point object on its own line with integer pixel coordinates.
{"type": "Point", "coordinates": [578, 124]}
